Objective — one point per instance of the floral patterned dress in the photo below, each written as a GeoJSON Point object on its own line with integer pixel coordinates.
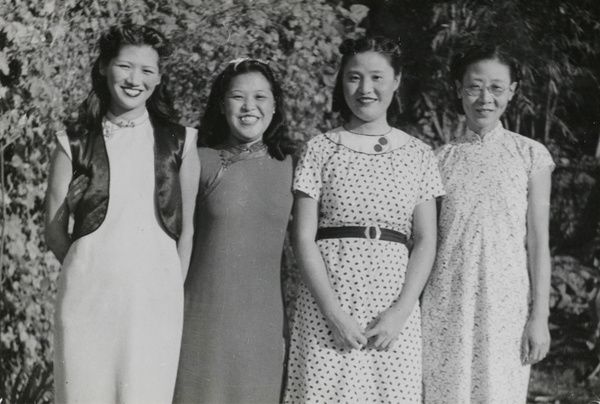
{"type": "Point", "coordinates": [475, 305]}
{"type": "Point", "coordinates": [360, 189]}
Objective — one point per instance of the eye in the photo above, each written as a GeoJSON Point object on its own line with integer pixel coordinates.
{"type": "Point", "coordinates": [377, 77]}
{"type": "Point", "coordinates": [353, 78]}
{"type": "Point", "coordinates": [148, 71]}
{"type": "Point", "coordinates": [123, 66]}
{"type": "Point", "coordinates": [474, 88]}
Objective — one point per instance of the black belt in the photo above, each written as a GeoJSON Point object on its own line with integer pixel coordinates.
{"type": "Point", "coordinates": [368, 232]}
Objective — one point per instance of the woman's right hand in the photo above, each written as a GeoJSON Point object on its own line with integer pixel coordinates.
{"type": "Point", "coordinates": [77, 188]}
{"type": "Point", "coordinates": [347, 333]}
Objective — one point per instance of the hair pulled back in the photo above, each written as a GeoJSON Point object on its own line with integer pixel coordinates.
{"type": "Point", "coordinates": [386, 47]}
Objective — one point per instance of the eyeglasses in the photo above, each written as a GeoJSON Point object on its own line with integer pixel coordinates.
{"type": "Point", "coordinates": [495, 89]}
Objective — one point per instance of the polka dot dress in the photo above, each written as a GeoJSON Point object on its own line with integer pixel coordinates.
{"type": "Point", "coordinates": [360, 189]}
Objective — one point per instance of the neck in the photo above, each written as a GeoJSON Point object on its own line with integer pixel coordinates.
{"type": "Point", "coordinates": [233, 141]}
{"type": "Point", "coordinates": [377, 127]}
{"type": "Point", "coordinates": [129, 115]}
{"type": "Point", "coordinates": [482, 130]}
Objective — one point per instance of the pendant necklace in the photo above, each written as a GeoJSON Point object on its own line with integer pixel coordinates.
{"type": "Point", "coordinates": [382, 144]}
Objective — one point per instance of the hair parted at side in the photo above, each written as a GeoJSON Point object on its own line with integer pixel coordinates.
{"type": "Point", "coordinates": [388, 48]}
{"type": "Point", "coordinates": [214, 130]}
{"type": "Point", "coordinates": [95, 106]}
{"type": "Point", "coordinates": [461, 62]}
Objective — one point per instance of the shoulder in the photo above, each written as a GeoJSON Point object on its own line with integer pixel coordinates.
{"type": "Point", "coordinates": [324, 138]}
{"type": "Point", "coordinates": [320, 143]}
{"type": "Point", "coordinates": [209, 153]}
{"type": "Point", "coordinates": [524, 141]}
{"type": "Point", "coordinates": [172, 129]}
{"type": "Point", "coordinates": [415, 143]}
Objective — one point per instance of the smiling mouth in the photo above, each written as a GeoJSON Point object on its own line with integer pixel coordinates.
{"type": "Point", "coordinates": [131, 92]}
{"type": "Point", "coordinates": [248, 119]}
{"type": "Point", "coordinates": [366, 100]}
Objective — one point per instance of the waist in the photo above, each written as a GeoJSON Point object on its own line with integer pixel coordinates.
{"type": "Point", "coordinates": [368, 232]}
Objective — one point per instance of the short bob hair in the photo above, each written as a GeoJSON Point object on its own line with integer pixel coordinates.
{"type": "Point", "coordinates": [350, 47]}
{"type": "Point", "coordinates": [214, 130]}
{"type": "Point", "coordinates": [461, 62]}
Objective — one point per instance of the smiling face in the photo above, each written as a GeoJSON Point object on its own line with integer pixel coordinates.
{"type": "Point", "coordinates": [132, 77]}
{"type": "Point", "coordinates": [248, 106]}
{"type": "Point", "coordinates": [485, 77]}
{"type": "Point", "coordinates": [369, 84]}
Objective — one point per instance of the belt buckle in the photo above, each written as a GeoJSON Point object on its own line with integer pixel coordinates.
{"type": "Point", "coordinates": [368, 232]}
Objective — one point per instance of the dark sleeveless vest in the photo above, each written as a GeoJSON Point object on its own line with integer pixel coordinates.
{"type": "Point", "coordinates": [91, 159]}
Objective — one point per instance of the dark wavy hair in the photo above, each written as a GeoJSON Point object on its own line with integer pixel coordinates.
{"type": "Point", "coordinates": [461, 62]}
{"type": "Point", "coordinates": [350, 47]}
{"type": "Point", "coordinates": [214, 130]}
{"type": "Point", "coordinates": [95, 106]}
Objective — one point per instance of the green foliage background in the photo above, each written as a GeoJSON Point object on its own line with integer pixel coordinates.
{"type": "Point", "coordinates": [47, 48]}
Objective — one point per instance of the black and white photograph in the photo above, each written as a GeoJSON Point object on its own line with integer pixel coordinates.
{"type": "Point", "coordinates": [300, 201]}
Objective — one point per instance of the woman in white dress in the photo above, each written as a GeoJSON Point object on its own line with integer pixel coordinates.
{"type": "Point", "coordinates": [361, 190]}
{"type": "Point", "coordinates": [119, 310]}
{"type": "Point", "coordinates": [486, 306]}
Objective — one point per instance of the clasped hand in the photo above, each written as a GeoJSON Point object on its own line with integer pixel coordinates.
{"type": "Point", "coordinates": [380, 334]}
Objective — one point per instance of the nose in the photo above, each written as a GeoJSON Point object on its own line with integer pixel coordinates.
{"type": "Point", "coordinates": [134, 77]}
{"type": "Point", "coordinates": [486, 95]}
{"type": "Point", "coordinates": [365, 86]}
{"type": "Point", "coordinates": [248, 105]}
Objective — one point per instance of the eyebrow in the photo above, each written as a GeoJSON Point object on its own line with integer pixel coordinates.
{"type": "Point", "coordinates": [370, 71]}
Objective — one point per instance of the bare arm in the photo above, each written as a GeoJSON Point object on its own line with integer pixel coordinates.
{"type": "Point", "coordinates": [57, 211]}
{"type": "Point", "coordinates": [189, 176]}
{"type": "Point", "coordinates": [347, 332]}
{"type": "Point", "coordinates": [537, 336]}
{"type": "Point", "coordinates": [387, 327]}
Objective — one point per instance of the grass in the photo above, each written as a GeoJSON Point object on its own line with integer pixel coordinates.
{"type": "Point", "coordinates": [558, 384]}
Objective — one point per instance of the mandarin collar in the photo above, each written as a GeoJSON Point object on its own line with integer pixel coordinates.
{"type": "Point", "coordinates": [111, 123]}
{"type": "Point", "coordinates": [470, 136]}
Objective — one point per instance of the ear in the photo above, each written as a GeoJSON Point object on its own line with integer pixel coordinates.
{"type": "Point", "coordinates": [458, 85]}
{"type": "Point", "coordinates": [102, 69]}
{"type": "Point", "coordinates": [397, 80]}
{"type": "Point", "coordinates": [511, 90]}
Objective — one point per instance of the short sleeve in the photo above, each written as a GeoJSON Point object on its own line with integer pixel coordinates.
{"type": "Point", "coordinates": [63, 141]}
{"type": "Point", "coordinates": [540, 158]}
{"type": "Point", "coordinates": [431, 183]}
{"type": "Point", "coordinates": [191, 137]}
{"type": "Point", "coordinates": [308, 177]}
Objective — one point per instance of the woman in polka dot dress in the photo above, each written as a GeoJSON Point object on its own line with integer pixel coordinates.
{"type": "Point", "coordinates": [362, 190]}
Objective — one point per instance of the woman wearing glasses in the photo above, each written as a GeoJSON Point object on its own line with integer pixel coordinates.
{"type": "Point", "coordinates": [485, 308]}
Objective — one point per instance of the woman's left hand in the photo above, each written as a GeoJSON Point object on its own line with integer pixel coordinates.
{"type": "Point", "coordinates": [536, 340]}
{"type": "Point", "coordinates": [384, 330]}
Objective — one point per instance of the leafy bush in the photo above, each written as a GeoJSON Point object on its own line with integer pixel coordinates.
{"type": "Point", "coordinates": [46, 52]}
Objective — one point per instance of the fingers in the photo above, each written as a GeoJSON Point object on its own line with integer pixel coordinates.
{"type": "Point", "coordinates": [537, 352]}
{"type": "Point", "coordinates": [379, 338]}
{"type": "Point", "coordinates": [534, 352]}
{"type": "Point", "coordinates": [525, 351]}
{"type": "Point", "coordinates": [77, 188]}
{"type": "Point", "coordinates": [350, 341]}
{"type": "Point", "coordinates": [79, 184]}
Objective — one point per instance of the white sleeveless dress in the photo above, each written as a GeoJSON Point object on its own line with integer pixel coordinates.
{"type": "Point", "coordinates": [119, 310]}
